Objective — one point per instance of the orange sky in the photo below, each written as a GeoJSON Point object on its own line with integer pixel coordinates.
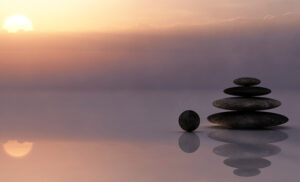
{"type": "Point", "coordinates": [121, 15]}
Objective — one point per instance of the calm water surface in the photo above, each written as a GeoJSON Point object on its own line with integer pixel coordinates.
{"type": "Point", "coordinates": [129, 136]}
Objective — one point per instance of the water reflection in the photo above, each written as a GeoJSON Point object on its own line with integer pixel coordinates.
{"type": "Point", "coordinates": [245, 149]}
{"type": "Point", "coordinates": [17, 149]}
{"type": "Point", "coordinates": [189, 142]}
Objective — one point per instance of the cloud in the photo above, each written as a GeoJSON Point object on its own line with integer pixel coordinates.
{"type": "Point", "coordinates": [269, 17]}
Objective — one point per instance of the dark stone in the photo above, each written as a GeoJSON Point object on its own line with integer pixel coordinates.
{"type": "Point", "coordinates": [189, 120]}
{"type": "Point", "coordinates": [246, 172]}
{"type": "Point", "coordinates": [247, 91]}
{"type": "Point", "coordinates": [247, 163]}
{"type": "Point", "coordinates": [247, 120]}
{"type": "Point", "coordinates": [246, 104]}
{"type": "Point", "coordinates": [246, 150]}
{"type": "Point", "coordinates": [189, 142]}
{"type": "Point", "coordinates": [247, 81]}
{"type": "Point", "coordinates": [248, 136]}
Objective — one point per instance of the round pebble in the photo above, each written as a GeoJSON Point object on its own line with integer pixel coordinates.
{"type": "Point", "coordinates": [189, 120]}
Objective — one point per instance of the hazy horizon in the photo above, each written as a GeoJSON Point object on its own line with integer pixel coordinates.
{"type": "Point", "coordinates": [178, 58]}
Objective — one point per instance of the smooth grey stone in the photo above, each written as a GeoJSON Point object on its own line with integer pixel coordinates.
{"type": "Point", "coordinates": [189, 120]}
{"type": "Point", "coordinates": [247, 81]}
{"type": "Point", "coordinates": [247, 120]}
{"type": "Point", "coordinates": [246, 150]}
{"type": "Point", "coordinates": [248, 136]}
{"type": "Point", "coordinates": [247, 163]}
{"type": "Point", "coordinates": [246, 104]}
{"type": "Point", "coordinates": [246, 172]}
{"type": "Point", "coordinates": [247, 91]}
{"type": "Point", "coordinates": [189, 142]}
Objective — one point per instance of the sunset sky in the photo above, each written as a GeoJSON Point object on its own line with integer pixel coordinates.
{"type": "Point", "coordinates": [133, 15]}
{"type": "Point", "coordinates": [92, 90]}
{"type": "Point", "coordinates": [163, 44]}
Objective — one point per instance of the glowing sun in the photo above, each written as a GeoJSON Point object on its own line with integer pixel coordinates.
{"type": "Point", "coordinates": [16, 23]}
{"type": "Point", "coordinates": [16, 149]}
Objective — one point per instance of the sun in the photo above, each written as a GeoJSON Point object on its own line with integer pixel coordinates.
{"type": "Point", "coordinates": [17, 149]}
{"type": "Point", "coordinates": [16, 23]}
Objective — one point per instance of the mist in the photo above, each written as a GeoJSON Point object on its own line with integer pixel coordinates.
{"type": "Point", "coordinates": [181, 58]}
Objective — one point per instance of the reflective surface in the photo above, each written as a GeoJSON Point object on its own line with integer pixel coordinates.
{"type": "Point", "coordinates": [134, 136]}
{"type": "Point", "coordinates": [246, 150]}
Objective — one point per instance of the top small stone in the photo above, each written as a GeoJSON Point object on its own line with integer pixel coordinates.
{"type": "Point", "coordinates": [246, 81]}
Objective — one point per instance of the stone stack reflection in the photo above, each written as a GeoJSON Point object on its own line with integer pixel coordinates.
{"type": "Point", "coordinates": [246, 150]}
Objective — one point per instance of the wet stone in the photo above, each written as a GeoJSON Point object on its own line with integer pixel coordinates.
{"type": "Point", "coordinates": [247, 120]}
{"type": "Point", "coordinates": [247, 81]}
{"type": "Point", "coordinates": [189, 120]}
{"type": "Point", "coordinates": [247, 91]}
{"type": "Point", "coordinates": [246, 104]}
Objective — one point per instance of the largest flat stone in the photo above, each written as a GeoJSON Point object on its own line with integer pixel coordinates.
{"type": "Point", "coordinates": [246, 104]}
{"type": "Point", "coordinates": [247, 120]}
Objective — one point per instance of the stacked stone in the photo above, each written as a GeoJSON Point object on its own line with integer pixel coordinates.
{"type": "Point", "coordinates": [246, 107]}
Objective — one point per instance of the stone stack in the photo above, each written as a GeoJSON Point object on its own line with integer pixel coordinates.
{"type": "Point", "coordinates": [246, 107]}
